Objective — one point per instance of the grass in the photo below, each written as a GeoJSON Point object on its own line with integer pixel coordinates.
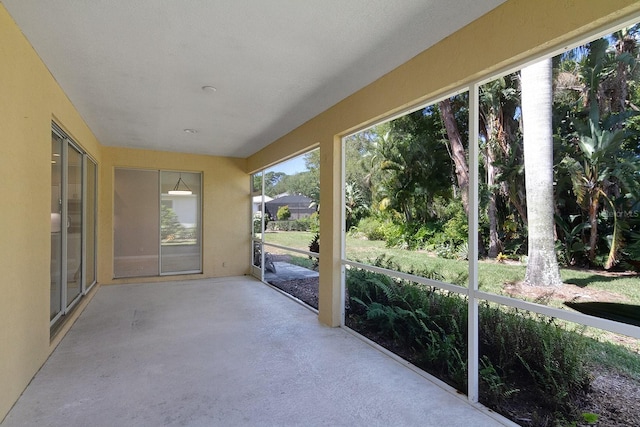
{"type": "Point", "coordinates": [492, 275]}
{"type": "Point", "coordinates": [292, 239]}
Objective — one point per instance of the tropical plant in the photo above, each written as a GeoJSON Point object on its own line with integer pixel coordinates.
{"type": "Point", "coordinates": [355, 205]}
{"type": "Point", "coordinates": [500, 136]}
{"type": "Point", "coordinates": [603, 174]}
{"type": "Point", "coordinates": [314, 246]}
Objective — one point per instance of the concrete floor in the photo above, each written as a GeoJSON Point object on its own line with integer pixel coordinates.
{"type": "Point", "coordinates": [286, 271]}
{"type": "Point", "coordinates": [225, 352]}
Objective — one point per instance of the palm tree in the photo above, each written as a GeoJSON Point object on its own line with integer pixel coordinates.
{"type": "Point", "coordinates": [499, 100]}
{"type": "Point", "coordinates": [542, 266]}
{"type": "Point", "coordinates": [601, 171]}
{"type": "Point", "coordinates": [413, 163]}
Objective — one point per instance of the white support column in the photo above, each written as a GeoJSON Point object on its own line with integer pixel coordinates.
{"type": "Point", "coordinates": [473, 319]}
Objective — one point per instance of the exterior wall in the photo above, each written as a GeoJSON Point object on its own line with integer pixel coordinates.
{"type": "Point", "coordinates": [226, 231]}
{"type": "Point", "coordinates": [504, 37]}
{"type": "Point", "coordinates": [29, 100]}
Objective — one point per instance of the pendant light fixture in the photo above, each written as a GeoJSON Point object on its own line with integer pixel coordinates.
{"type": "Point", "coordinates": [177, 191]}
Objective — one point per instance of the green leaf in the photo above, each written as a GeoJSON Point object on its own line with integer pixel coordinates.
{"type": "Point", "coordinates": [590, 417]}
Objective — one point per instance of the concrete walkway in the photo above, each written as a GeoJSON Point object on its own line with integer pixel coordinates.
{"type": "Point", "coordinates": [286, 271]}
{"type": "Point", "coordinates": [225, 352]}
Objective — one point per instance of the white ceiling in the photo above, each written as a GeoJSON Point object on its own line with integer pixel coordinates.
{"type": "Point", "coordinates": [135, 69]}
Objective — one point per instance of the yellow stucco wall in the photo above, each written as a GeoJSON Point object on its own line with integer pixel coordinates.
{"type": "Point", "coordinates": [225, 203]}
{"type": "Point", "coordinates": [505, 37]}
{"type": "Point", "coordinates": [29, 100]}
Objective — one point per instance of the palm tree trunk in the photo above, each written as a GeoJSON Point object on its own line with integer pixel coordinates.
{"type": "Point", "coordinates": [594, 205]}
{"type": "Point", "coordinates": [542, 265]}
{"type": "Point", "coordinates": [494, 241]}
{"type": "Point", "coordinates": [457, 152]}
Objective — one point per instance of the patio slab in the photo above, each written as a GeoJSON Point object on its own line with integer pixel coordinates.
{"type": "Point", "coordinates": [286, 271]}
{"type": "Point", "coordinates": [225, 352]}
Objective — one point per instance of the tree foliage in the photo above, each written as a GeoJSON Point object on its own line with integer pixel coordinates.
{"type": "Point", "coordinates": [397, 172]}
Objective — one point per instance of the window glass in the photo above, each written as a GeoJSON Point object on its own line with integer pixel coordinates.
{"type": "Point", "coordinates": [180, 222]}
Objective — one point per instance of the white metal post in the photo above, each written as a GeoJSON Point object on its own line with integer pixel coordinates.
{"type": "Point", "coordinates": [472, 318]}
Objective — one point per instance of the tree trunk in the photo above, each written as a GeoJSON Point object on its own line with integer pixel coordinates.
{"type": "Point", "coordinates": [457, 152]}
{"type": "Point", "coordinates": [542, 265]}
{"type": "Point", "coordinates": [594, 206]}
{"type": "Point", "coordinates": [494, 240]}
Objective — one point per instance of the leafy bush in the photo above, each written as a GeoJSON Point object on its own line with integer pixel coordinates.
{"type": "Point", "coordinates": [283, 213]}
{"type": "Point", "coordinates": [314, 246]}
{"type": "Point", "coordinates": [309, 223]}
{"type": "Point", "coordinates": [523, 356]}
{"type": "Point", "coordinates": [412, 235]}
{"type": "Point", "coordinates": [301, 224]}
{"type": "Point", "coordinates": [428, 323]}
{"type": "Point", "coordinates": [314, 222]}
{"type": "Point", "coordinates": [257, 222]}
{"type": "Point", "coordinates": [372, 228]}
{"type": "Point", "coordinates": [535, 355]}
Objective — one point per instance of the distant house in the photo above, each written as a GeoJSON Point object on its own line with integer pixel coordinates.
{"type": "Point", "coordinates": [298, 206]}
{"type": "Point", "coordinates": [257, 203]}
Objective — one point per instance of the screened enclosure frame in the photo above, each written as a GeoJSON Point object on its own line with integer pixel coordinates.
{"type": "Point", "coordinates": [472, 291]}
{"type": "Point", "coordinates": [258, 267]}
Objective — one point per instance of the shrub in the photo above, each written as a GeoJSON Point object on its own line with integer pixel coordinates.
{"type": "Point", "coordinates": [283, 213]}
{"type": "Point", "coordinates": [257, 222]}
{"type": "Point", "coordinates": [536, 355]}
{"type": "Point", "coordinates": [301, 224]}
{"type": "Point", "coordinates": [523, 356]}
{"type": "Point", "coordinates": [314, 246]}
{"type": "Point", "coordinates": [430, 324]}
{"type": "Point", "coordinates": [413, 235]}
{"type": "Point", "coordinates": [314, 223]}
{"type": "Point", "coordinates": [372, 228]}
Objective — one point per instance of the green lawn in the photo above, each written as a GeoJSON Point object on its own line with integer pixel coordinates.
{"type": "Point", "coordinates": [605, 350]}
{"type": "Point", "coordinates": [492, 275]}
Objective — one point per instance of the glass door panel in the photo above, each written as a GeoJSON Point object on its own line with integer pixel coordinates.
{"type": "Point", "coordinates": [56, 226]}
{"type": "Point", "coordinates": [90, 226]}
{"type": "Point", "coordinates": [74, 224]}
{"type": "Point", "coordinates": [136, 223]}
{"type": "Point", "coordinates": [180, 247]}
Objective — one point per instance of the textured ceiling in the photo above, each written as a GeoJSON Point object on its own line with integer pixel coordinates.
{"type": "Point", "coordinates": [135, 69]}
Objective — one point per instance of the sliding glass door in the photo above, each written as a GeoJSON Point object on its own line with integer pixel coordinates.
{"type": "Point", "coordinates": [73, 224]}
{"type": "Point", "coordinates": [56, 226]}
{"type": "Point", "coordinates": [136, 223]}
{"type": "Point", "coordinates": [157, 222]}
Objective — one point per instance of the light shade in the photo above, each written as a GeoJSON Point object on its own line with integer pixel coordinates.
{"type": "Point", "coordinates": [177, 191]}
